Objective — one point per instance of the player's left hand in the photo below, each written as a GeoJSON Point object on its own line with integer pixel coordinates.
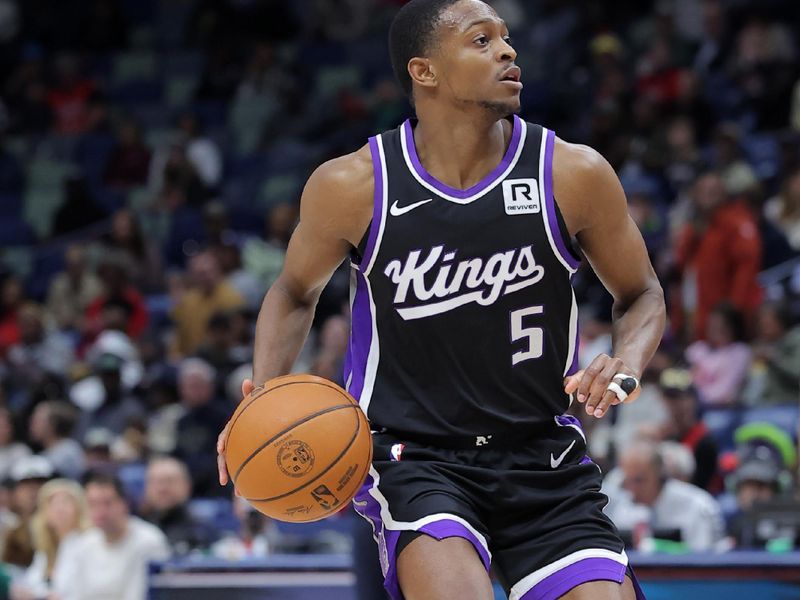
{"type": "Point", "coordinates": [590, 385]}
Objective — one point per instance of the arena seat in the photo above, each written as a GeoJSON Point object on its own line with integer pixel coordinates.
{"type": "Point", "coordinates": [216, 513]}
{"type": "Point", "coordinates": [133, 480]}
{"type": "Point", "coordinates": [785, 417]}
{"type": "Point", "coordinates": [722, 422]}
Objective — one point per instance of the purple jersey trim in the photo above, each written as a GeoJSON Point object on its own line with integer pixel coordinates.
{"type": "Point", "coordinates": [575, 366]}
{"type": "Point", "coordinates": [369, 508]}
{"type": "Point", "coordinates": [589, 569]}
{"type": "Point", "coordinates": [484, 183]}
{"type": "Point", "coordinates": [377, 210]}
{"type": "Point", "coordinates": [550, 202]}
{"type": "Point", "coordinates": [360, 337]}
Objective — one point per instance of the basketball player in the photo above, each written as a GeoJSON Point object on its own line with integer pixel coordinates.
{"type": "Point", "coordinates": [464, 329]}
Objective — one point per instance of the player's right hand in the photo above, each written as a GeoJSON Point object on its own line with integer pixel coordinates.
{"type": "Point", "coordinates": [247, 387]}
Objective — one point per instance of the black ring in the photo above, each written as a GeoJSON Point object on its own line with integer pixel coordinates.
{"type": "Point", "coordinates": [628, 384]}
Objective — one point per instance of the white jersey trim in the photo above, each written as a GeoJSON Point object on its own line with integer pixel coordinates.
{"type": "Point", "coordinates": [543, 195]}
{"type": "Point", "coordinates": [520, 147]}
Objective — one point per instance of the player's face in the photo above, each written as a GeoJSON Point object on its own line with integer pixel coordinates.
{"type": "Point", "coordinates": [474, 62]}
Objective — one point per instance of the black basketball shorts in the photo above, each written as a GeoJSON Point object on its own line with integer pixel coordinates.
{"type": "Point", "coordinates": [531, 509]}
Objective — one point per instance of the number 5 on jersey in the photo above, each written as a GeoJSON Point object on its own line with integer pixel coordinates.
{"type": "Point", "coordinates": [534, 335]}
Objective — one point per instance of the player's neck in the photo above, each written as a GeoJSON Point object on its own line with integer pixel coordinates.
{"type": "Point", "coordinates": [460, 149]}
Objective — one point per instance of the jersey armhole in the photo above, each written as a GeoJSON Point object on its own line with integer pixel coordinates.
{"type": "Point", "coordinates": [570, 243]}
{"type": "Point", "coordinates": [558, 234]}
{"type": "Point", "coordinates": [364, 254]}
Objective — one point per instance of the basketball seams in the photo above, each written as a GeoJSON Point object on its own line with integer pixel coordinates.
{"type": "Point", "coordinates": [283, 432]}
{"type": "Point", "coordinates": [332, 464]}
{"type": "Point", "coordinates": [282, 385]}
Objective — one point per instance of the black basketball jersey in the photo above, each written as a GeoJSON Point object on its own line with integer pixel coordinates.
{"type": "Point", "coordinates": [464, 321]}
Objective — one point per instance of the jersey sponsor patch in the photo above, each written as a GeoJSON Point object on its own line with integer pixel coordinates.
{"type": "Point", "coordinates": [521, 196]}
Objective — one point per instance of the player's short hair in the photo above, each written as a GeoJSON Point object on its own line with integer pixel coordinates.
{"type": "Point", "coordinates": [412, 34]}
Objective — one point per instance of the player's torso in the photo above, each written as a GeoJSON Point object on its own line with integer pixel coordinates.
{"type": "Point", "coordinates": [464, 320]}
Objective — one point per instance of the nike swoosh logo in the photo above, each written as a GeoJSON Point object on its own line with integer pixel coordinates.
{"type": "Point", "coordinates": [396, 210]}
{"type": "Point", "coordinates": [556, 462]}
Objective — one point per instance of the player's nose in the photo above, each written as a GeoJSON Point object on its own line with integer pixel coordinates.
{"type": "Point", "coordinates": [506, 52]}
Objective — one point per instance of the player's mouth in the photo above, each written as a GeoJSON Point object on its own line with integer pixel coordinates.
{"type": "Point", "coordinates": [512, 76]}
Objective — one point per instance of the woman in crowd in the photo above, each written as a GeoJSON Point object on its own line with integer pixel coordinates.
{"type": "Point", "coordinates": [61, 516]}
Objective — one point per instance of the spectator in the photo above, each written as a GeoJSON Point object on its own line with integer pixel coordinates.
{"type": "Point", "coordinates": [79, 210]}
{"type": "Point", "coordinates": [685, 426]}
{"type": "Point", "coordinates": [264, 258]}
{"type": "Point", "coordinates": [757, 482]}
{"type": "Point", "coordinates": [718, 254]}
{"type": "Point", "coordinates": [784, 209]}
{"type": "Point", "coordinates": [719, 364]}
{"type": "Point", "coordinates": [651, 501]}
{"type": "Point", "coordinates": [12, 297]}
{"type": "Point", "coordinates": [202, 151]}
{"type": "Point", "coordinates": [110, 559]}
{"type": "Point", "coordinates": [333, 342]}
{"type": "Point", "coordinates": [39, 352]}
{"type": "Point", "coordinates": [61, 516]}
{"type": "Point", "coordinates": [139, 254]}
{"type": "Point", "coordinates": [167, 490]}
{"type": "Point", "coordinates": [258, 535]}
{"type": "Point", "coordinates": [51, 426]}
{"type": "Point", "coordinates": [120, 295]}
{"type": "Point", "coordinates": [775, 374]}
{"type": "Point", "coordinates": [11, 450]}
{"type": "Point", "coordinates": [69, 97]}
{"type": "Point", "coordinates": [103, 399]}
{"type": "Point", "coordinates": [199, 427]}
{"type": "Point", "coordinates": [209, 293]}
{"type": "Point", "coordinates": [129, 162]}
{"type": "Point", "coordinates": [217, 346]}
{"type": "Point", "coordinates": [27, 476]}
{"type": "Point", "coordinates": [72, 290]}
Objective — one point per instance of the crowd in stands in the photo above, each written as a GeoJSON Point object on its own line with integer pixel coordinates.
{"type": "Point", "coordinates": [152, 154]}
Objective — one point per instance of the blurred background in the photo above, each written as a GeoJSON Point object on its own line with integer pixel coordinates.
{"type": "Point", "coordinates": [152, 155]}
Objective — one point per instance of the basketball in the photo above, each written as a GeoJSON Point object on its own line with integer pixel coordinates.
{"type": "Point", "coordinates": [299, 448]}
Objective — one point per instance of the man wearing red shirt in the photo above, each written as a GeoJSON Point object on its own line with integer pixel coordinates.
{"type": "Point", "coordinates": [718, 255]}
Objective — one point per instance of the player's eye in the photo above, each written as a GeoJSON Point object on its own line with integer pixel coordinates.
{"type": "Point", "coordinates": [482, 40]}
{"type": "Point", "coordinates": [509, 40]}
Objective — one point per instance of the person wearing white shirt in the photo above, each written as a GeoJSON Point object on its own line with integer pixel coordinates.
{"type": "Point", "coordinates": [649, 500]}
{"type": "Point", "coordinates": [110, 560]}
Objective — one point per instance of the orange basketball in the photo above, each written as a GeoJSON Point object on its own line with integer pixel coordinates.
{"type": "Point", "coordinates": [299, 448]}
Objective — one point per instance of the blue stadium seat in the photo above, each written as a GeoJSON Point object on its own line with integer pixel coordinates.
{"type": "Point", "coordinates": [785, 417]}
{"type": "Point", "coordinates": [722, 422]}
{"type": "Point", "coordinates": [216, 513]}
{"type": "Point", "coordinates": [14, 231]}
{"type": "Point", "coordinates": [133, 93]}
{"type": "Point", "coordinates": [10, 205]}
{"type": "Point", "coordinates": [763, 153]}
{"type": "Point", "coordinates": [186, 227]}
{"type": "Point", "coordinates": [133, 480]}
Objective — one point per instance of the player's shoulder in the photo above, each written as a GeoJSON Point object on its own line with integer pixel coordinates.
{"type": "Point", "coordinates": [349, 176]}
{"type": "Point", "coordinates": [581, 161]}
{"type": "Point", "coordinates": [585, 185]}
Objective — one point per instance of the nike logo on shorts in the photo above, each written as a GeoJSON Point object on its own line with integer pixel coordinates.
{"type": "Point", "coordinates": [397, 210]}
{"type": "Point", "coordinates": [556, 462]}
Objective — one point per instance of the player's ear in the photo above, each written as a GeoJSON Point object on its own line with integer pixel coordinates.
{"type": "Point", "coordinates": [422, 72]}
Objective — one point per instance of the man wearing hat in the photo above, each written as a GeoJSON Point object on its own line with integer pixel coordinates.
{"type": "Point", "coordinates": [685, 426]}
{"type": "Point", "coordinates": [27, 476]}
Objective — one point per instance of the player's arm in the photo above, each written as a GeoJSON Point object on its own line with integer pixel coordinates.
{"type": "Point", "coordinates": [335, 210]}
{"type": "Point", "coordinates": [595, 207]}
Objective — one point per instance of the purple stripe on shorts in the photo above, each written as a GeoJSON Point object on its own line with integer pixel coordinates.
{"type": "Point", "coordinates": [550, 202]}
{"type": "Point", "coordinates": [447, 528]}
{"type": "Point", "coordinates": [568, 420]}
{"type": "Point", "coordinates": [513, 145]}
{"type": "Point", "coordinates": [369, 508]}
{"type": "Point", "coordinates": [589, 569]}
{"type": "Point", "coordinates": [586, 461]}
{"type": "Point", "coordinates": [360, 336]}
